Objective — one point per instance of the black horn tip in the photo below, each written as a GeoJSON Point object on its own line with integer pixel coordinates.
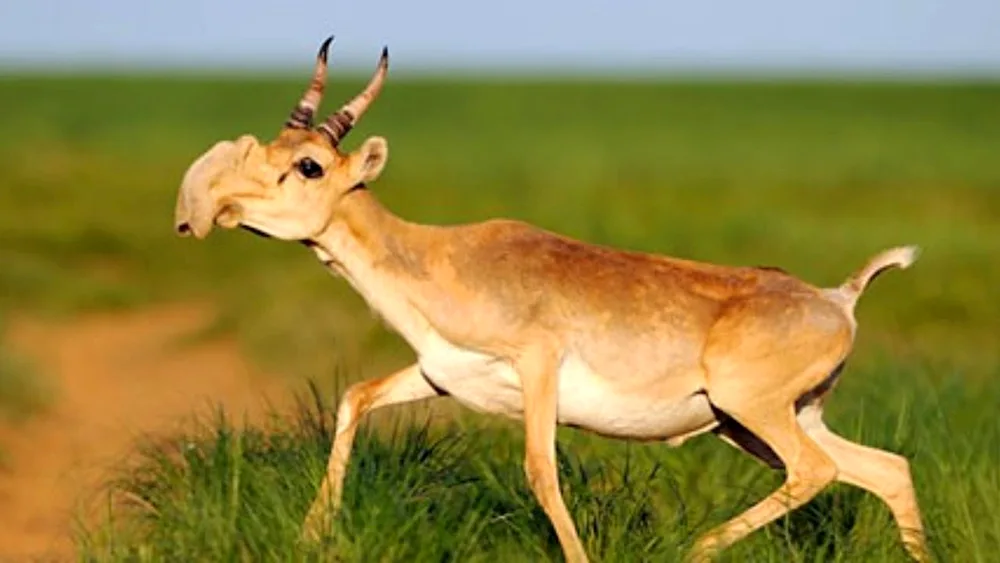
{"type": "Point", "coordinates": [384, 59]}
{"type": "Point", "coordinates": [324, 49]}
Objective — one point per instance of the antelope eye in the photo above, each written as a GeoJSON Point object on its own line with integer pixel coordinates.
{"type": "Point", "coordinates": [309, 168]}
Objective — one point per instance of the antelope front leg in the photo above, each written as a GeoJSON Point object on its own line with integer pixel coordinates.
{"type": "Point", "coordinates": [404, 386]}
{"type": "Point", "coordinates": [540, 387]}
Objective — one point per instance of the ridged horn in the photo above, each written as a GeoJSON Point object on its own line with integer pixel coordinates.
{"type": "Point", "coordinates": [302, 115]}
{"type": "Point", "coordinates": [339, 124]}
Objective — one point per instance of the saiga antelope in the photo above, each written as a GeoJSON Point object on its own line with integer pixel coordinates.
{"type": "Point", "coordinates": [508, 318]}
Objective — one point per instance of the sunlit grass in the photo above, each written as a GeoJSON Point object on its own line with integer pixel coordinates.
{"type": "Point", "coordinates": [419, 492]}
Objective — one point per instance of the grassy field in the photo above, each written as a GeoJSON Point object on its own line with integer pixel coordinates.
{"type": "Point", "coordinates": [814, 177]}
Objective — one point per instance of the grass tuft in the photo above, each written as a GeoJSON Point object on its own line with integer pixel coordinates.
{"type": "Point", "coordinates": [23, 392]}
{"type": "Point", "coordinates": [435, 492]}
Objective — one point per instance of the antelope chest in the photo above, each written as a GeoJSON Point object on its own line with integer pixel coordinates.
{"type": "Point", "coordinates": [586, 399]}
{"type": "Point", "coordinates": [479, 381]}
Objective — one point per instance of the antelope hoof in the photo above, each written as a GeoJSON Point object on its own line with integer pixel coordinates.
{"type": "Point", "coordinates": [317, 523]}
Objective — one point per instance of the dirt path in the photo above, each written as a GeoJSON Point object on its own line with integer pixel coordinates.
{"type": "Point", "coordinates": [118, 376]}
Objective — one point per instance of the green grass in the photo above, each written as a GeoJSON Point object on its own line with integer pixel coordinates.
{"type": "Point", "coordinates": [814, 177]}
{"type": "Point", "coordinates": [448, 492]}
{"type": "Point", "coordinates": [23, 392]}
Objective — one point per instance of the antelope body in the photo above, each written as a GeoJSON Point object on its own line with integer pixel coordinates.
{"type": "Point", "coordinates": [508, 318]}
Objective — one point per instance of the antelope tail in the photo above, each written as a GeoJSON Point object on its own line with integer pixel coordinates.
{"type": "Point", "coordinates": [899, 257]}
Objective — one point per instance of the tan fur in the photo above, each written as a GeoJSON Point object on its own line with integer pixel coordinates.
{"type": "Point", "coordinates": [511, 319]}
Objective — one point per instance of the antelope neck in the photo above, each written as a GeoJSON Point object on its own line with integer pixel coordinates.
{"type": "Point", "coordinates": [364, 239]}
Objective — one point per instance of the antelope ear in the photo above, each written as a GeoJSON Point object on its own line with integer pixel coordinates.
{"type": "Point", "coordinates": [368, 161]}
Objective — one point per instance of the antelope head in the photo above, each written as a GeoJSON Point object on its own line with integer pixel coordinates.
{"type": "Point", "coordinates": [290, 187]}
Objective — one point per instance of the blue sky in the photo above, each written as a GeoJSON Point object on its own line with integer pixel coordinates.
{"type": "Point", "coordinates": [880, 35]}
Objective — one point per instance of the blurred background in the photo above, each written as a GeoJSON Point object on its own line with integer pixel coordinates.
{"type": "Point", "coordinates": [802, 135]}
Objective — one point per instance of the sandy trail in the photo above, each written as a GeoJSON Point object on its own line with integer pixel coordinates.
{"type": "Point", "coordinates": [118, 376]}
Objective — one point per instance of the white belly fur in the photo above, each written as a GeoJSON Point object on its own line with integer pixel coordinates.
{"type": "Point", "coordinates": [586, 400]}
